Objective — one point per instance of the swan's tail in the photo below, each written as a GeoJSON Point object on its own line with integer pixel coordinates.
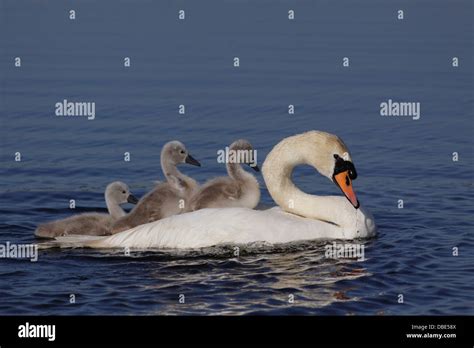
{"type": "Point", "coordinates": [71, 241]}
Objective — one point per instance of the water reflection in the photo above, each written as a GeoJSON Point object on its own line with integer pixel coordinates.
{"type": "Point", "coordinates": [261, 280]}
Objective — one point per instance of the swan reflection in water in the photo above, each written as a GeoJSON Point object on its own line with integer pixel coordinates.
{"type": "Point", "coordinates": [261, 280]}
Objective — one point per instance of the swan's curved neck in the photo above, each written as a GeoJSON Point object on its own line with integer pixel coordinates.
{"type": "Point", "coordinates": [178, 179]}
{"type": "Point", "coordinates": [277, 170]}
{"type": "Point", "coordinates": [170, 170]}
{"type": "Point", "coordinates": [236, 172]}
{"type": "Point", "coordinates": [115, 210]}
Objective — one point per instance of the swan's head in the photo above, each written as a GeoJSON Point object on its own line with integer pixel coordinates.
{"type": "Point", "coordinates": [330, 156]}
{"type": "Point", "coordinates": [174, 153]}
{"type": "Point", "coordinates": [245, 153]}
{"type": "Point", "coordinates": [343, 175]}
{"type": "Point", "coordinates": [119, 193]}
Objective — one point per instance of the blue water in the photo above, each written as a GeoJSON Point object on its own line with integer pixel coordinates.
{"type": "Point", "coordinates": [282, 62]}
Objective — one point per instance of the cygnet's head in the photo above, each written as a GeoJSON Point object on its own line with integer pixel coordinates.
{"type": "Point", "coordinates": [174, 152]}
{"type": "Point", "coordinates": [119, 192]}
{"type": "Point", "coordinates": [245, 152]}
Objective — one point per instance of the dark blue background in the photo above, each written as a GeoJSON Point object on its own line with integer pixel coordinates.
{"type": "Point", "coordinates": [282, 62]}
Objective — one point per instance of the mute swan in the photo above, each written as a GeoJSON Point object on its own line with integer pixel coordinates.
{"type": "Point", "coordinates": [301, 216]}
{"type": "Point", "coordinates": [239, 189]}
{"type": "Point", "coordinates": [168, 198]}
{"type": "Point", "coordinates": [95, 224]}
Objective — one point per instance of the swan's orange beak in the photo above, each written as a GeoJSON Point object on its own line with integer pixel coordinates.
{"type": "Point", "coordinates": [345, 184]}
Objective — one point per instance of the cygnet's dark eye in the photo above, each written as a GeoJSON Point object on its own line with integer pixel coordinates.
{"type": "Point", "coordinates": [182, 152]}
{"type": "Point", "coordinates": [124, 192]}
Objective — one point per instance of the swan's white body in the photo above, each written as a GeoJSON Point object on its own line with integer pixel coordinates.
{"type": "Point", "coordinates": [301, 217]}
{"type": "Point", "coordinates": [214, 226]}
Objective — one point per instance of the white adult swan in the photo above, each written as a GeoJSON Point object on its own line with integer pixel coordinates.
{"type": "Point", "coordinates": [306, 216]}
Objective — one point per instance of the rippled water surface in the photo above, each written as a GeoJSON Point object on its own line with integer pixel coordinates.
{"type": "Point", "coordinates": [282, 62]}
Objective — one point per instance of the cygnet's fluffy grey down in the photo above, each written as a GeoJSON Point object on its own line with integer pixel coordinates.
{"type": "Point", "coordinates": [167, 198]}
{"type": "Point", "coordinates": [239, 189]}
{"type": "Point", "coordinates": [94, 224]}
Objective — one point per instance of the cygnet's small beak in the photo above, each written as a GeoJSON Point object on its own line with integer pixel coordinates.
{"type": "Point", "coordinates": [191, 160]}
{"type": "Point", "coordinates": [255, 167]}
{"type": "Point", "coordinates": [132, 199]}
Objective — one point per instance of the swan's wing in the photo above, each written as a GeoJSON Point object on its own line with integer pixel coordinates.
{"type": "Point", "coordinates": [71, 241]}
{"type": "Point", "coordinates": [231, 226]}
{"type": "Point", "coordinates": [209, 227]}
{"type": "Point", "coordinates": [232, 192]}
{"type": "Point", "coordinates": [216, 191]}
{"type": "Point", "coordinates": [191, 230]}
